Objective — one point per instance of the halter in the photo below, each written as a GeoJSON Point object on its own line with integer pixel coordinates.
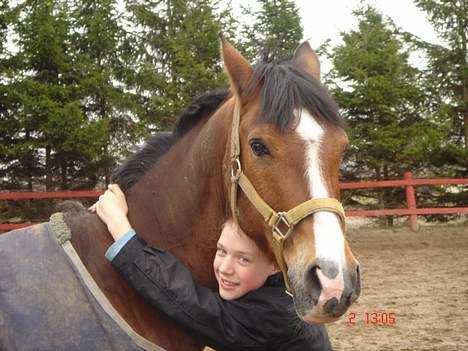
{"type": "Point", "coordinates": [286, 220]}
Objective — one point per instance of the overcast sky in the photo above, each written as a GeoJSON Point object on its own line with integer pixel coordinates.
{"type": "Point", "coordinates": [326, 19]}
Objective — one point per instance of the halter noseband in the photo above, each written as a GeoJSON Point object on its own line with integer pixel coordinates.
{"type": "Point", "coordinates": [281, 223]}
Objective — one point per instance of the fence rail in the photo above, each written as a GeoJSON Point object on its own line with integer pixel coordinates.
{"type": "Point", "coordinates": [49, 195]}
{"type": "Point", "coordinates": [408, 182]}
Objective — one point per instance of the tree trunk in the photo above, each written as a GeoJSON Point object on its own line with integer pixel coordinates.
{"type": "Point", "coordinates": [48, 169]}
{"type": "Point", "coordinates": [63, 172]}
{"type": "Point", "coordinates": [465, 111]}
{"type": "Point", "coordinates": [380, 193]}
{"type": "Point", "coordinates": [387, 196]}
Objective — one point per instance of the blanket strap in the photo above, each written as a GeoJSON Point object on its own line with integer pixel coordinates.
{"type": "Point", "coordinates": [63, 234]}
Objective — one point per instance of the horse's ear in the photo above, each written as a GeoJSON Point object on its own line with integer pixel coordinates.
{"type": "Point", "coordinates": [237, 68]}
{"type": "Point", "coordinates": [307, 59]}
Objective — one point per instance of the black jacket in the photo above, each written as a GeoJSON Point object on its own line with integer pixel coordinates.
{"type": "Point", "coordinates": [263, 319]}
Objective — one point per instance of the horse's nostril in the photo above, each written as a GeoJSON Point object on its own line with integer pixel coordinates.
{"type": "Point", "coordinates": [331, 306]}
{"type": "Point", "coordinates": [349, 299]}
{"type": "Point", "coordinates": [329, 269]}
{"type": "Point", "coordinates": [312, 283]}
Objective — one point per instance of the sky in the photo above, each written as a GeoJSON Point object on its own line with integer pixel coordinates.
{"type": "Point", "coordinates": [326, 19]}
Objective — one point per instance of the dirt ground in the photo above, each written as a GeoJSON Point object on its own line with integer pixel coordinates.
{"type": "Point", "coordinates": [414, 291]}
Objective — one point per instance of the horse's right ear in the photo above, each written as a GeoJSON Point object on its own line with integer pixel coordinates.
{"type": "Point", "coordinates": [236, 66]}
{"type": "Point", "coordinates": [307, 59]}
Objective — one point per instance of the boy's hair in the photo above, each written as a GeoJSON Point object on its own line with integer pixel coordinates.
{"type": "Point", "coordinates": [240, 232]}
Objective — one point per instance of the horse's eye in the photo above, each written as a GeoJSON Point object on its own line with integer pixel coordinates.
{"type": "Point", "coordinates": [259, 149]}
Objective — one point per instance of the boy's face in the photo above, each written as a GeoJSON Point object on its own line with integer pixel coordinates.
{"type": "Point", "coordinates": [239, 265]}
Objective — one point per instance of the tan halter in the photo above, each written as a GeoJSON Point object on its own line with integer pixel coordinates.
{"type": "Point", "coordinates": [275, 220]}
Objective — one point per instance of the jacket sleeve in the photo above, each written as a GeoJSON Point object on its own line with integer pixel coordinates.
{"type": "Point", "coordinates": [167, 284]}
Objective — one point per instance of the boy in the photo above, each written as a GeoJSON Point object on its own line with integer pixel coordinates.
{"type": "Point", "coordinates": [251, 310]}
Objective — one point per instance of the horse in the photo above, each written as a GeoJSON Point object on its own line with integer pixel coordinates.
{"type": "Point", "coordinates": [266, 152]}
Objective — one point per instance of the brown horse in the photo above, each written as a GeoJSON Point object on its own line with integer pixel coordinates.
{"type": "Point", "coordinates": [291, 139]}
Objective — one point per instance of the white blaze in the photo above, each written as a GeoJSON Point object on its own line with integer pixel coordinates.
{"type": "Point", "coordinates": [329, 238]}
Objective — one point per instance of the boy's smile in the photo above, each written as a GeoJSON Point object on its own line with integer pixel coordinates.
{"type": "Point", "coordinates": [227, 285]}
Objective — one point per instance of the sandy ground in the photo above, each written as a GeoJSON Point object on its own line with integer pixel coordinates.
{"type": "Point", "coordinates": [414, 291]}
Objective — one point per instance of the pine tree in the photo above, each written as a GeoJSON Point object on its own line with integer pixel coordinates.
{"type": "Point", "coordinates": [447, 79]}
{"type": "Point", "coordinates": [5, 18]}
{"type": "Point", "coordinates": [381, 97]}
{"type": "Point", "coordinates": [178, 55]}
{"type": "Point", "coordinates": [49, 136]}
{"type": "Point", "coordinates": [101, 66]}
{"type": "Point", "coordinates": [275, 33]}
{"type": "Point", "coordinates": [8, 125]}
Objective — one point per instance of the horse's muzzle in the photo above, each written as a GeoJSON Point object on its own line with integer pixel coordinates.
{"type": "Point", "coordinates": [332, 290]}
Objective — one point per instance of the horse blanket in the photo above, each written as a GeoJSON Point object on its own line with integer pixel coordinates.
{"type": "Point", "coordinates": [45, 304]}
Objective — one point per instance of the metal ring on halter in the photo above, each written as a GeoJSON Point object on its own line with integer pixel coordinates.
{"type": "Point", "coordinates": [236, 167]}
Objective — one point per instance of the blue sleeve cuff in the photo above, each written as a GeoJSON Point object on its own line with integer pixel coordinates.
{"type": "Point", "coordinates": [115, 248]}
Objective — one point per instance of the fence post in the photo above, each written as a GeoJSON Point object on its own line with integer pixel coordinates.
{"type": "Point", "coordinates": [411, 201]}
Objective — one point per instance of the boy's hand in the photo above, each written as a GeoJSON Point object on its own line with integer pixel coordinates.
{"type": "Point", "coordinates": [112, 210]}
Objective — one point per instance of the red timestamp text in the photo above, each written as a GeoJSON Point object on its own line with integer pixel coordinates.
{"type": "Point", "coordinates": [372, 318]}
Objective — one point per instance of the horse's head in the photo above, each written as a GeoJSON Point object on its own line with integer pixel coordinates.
{"type": "Point", "coordinates": [290, 143]}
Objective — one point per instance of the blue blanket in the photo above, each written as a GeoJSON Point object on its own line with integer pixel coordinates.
{"type": "Point", "coordinates": [44, 305]}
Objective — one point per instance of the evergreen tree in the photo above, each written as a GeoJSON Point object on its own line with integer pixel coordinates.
{"type": "Point", "coordinates": [447, 77]}
{"type": "Point", "coordinates": [4, 22]}
{"type": "Point", "coordinates": [7, 121]}
{"type": "Point", "coordinates": [381, 97]}
{"type": "Point", "coordinates": [275, 33]}
{"type": "Point", "coordinates": [178, 55]}
{"type": "Point", "coordinates": [49, 136]}
{"type": "Point", "coordinates": [101, 66]}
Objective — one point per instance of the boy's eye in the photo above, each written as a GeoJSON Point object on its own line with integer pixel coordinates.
{"type": "Point", "coordinates": [244, 260]}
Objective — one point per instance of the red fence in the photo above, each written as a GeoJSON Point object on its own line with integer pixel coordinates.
{"type": "Point", "coordinates": [408, 182]}
{"type": "Point", "coordinates": [412, 211]}
{"type": "Point", "coordinates": [40, 195]}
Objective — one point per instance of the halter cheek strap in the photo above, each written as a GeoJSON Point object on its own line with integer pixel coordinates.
{"type": "Point", "coordinates": [281, 223]}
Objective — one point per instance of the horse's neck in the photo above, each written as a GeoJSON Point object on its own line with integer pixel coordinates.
{"type": "Point", "coordinates": [180, 203]}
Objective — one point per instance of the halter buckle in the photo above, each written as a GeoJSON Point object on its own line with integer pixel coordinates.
{"type": "Point", "coordinates": [277, 232]}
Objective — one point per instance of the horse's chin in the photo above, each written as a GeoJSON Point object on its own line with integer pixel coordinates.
{"type": "Point", "coordinates": [308, 310]}
{"type": "Point", "coordinates": [317, 318]}
{"type": "Point", "coordinates": [315, 315]}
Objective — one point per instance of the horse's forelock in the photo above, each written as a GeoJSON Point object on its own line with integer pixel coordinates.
{"type": "Point", "coordinates": [285, 89]}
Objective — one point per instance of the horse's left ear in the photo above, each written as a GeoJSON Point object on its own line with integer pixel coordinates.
{"type": "Point", "coordinates": [307, 59]}
{"type": "Point", "coordinates": [236, 66]}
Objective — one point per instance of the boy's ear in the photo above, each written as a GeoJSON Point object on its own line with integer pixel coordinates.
{"type": "Point", "coordinates": [274, 269]}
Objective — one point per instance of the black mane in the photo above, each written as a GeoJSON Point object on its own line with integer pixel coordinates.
{"type": "Point", "coordinates": [200, 108]}
{"type": "Point", "coordinates": [138, 163]}
{"type": "Point", "coordinates": [285, 88]}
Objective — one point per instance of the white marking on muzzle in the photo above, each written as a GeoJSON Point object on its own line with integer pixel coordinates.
{"type": "Point", "coordinates": [329, 238]}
